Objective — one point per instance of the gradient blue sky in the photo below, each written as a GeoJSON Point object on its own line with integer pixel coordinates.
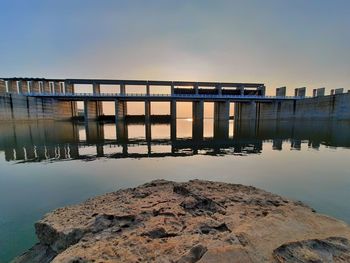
{"type": "Point", "coordinates": [294, 43]}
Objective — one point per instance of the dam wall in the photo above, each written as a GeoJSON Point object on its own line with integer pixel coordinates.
{"type": "Point", "coordinates": [336, 106]}
{"type": "Point", "coordinates": [31, 99]}
{"type": "Point", "coordinates": [15, 107]}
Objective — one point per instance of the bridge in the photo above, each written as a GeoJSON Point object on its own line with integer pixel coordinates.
{"type": "Point", "coordinates": [33, 98]}
{"type": "Point", "coordinates": [63, 92]}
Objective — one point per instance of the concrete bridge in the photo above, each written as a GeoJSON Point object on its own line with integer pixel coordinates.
{"type": "Point", "coordinates": [33, 98]}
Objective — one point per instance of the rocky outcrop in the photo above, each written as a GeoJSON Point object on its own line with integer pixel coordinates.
{"type": "Point", "coordinates": [197, 221]}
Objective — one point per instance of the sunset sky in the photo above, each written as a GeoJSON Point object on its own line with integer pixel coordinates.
{"type": "Point", "coordinates": [293, 43]}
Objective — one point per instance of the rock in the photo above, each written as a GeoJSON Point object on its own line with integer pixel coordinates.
{"type": "Point", "coordinates": [196, 221]}
{"type": "Point", "coordinates": [329, 250]}
{"type": "Point", "coordinates": [193, 255]}
{"type": "Point", "coordinates": [158, 233]}
{"type": "Point", "coordinates": [38, 253]}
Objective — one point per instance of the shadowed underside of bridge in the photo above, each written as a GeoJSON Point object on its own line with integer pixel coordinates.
{"type": "Point", "coordinates": [35, 98]}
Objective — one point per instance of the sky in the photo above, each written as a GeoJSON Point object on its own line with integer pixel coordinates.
{"type": "Point", "coordinates": [291, 43]}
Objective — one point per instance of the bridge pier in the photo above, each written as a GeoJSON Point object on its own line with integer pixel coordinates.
{"type": "Point", "coordinates": [122, 89]}
{"type": "Point", "coordinates": [94, 132]}
{"type": "Point", "coordinates": [222, 110]}
{"type": "Point", "coordinates": [122, 132]}
{"type": "Point", "coordinates": [96, 88]}
{"type": "Point", "coordinates": [91, 110]}
{"type": "Point", "coordinates": [221, 129]}
{"type": "Point", "coordinates": [173, 110]}
{"type": "Point", "coordinates": [221, 119]}
{"type": "Point", "coordinates": [147, 110]}
{"type": "Point", "coordinates": [148, 135]}
{"type": "Point", "coordinates": [197, 119]}
{"type": "Point", "coordinates": [120, 110]}
{"type": "Point", "coordinates": [173, 134]}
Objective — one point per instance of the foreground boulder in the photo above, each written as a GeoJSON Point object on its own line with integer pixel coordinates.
{"type": "Point", "coordinates": [197, 221]}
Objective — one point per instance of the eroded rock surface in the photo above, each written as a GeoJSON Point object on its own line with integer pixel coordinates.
{"type": "Point", "coordinates": [197, 221]}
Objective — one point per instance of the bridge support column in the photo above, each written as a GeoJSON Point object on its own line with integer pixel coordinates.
{"type": "Point", "coordinates": [2, 86]}
{"type": "Point", "coordinates": [90, 110]}
{"type": "Point", "coordinates": [94, 132]}
{"type": "Point", "coordinates": [222, 110]}
{"type": "Point", "coordinates": [221, 129]}
{"type": "Point", "coordinates": [173, 109]}
{"type": "Point", "coordinates": [120, 110]}
{"type": "Point", "coordinates": [147, 110]}
{"type": "Point", "coordinates": [221, 119]}
{"type": "Point", "coordinates": [196, 88]}
{"type": "Point", "coordinates": [122, 89]}
{"type": "Point", "coordinates": [148, 90]}
{"type": "Point", "coordinates": [197, 120]}
{"type": "Point", "coordinates": [122, 132]}
{"type": "Point", "coordinates": [219, 89]}
{"type": "Point", "coordinates": [173, 120]}
{"type": "Point", "coordinates": [148, 135]}
{"type": "Point", "coordinates": [96, 88]}
{"type": "Point", "coordinates": [99, 150]}
{"type": "Point", "coordinates": [173, 130]}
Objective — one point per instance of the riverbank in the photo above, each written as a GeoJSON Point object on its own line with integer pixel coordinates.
{"type": "Point", "coordinates": [197, 221]}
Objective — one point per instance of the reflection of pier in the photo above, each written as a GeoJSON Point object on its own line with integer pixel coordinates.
{"type": "Point", "coordinates": [35, 142]}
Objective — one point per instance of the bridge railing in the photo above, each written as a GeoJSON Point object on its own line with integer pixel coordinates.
{"type": "Point", "coordinates": [126, 95]}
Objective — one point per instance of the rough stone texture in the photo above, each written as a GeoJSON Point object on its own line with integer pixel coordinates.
{"type": "Point", "coordinates": [333, 249]}
{"type": "Point", "coordinates": [197, 221]}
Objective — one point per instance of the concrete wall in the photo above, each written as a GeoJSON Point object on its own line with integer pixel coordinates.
{"type": "Point", "coordinates": [245, 111]}
{"type": "Point", "coordinates": [22, 108]}
{"type": "Point", "coordinates": [324, 107]}
{"type": "Point", "coordinates": [2, 86]}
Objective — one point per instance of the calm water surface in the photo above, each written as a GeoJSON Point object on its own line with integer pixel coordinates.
{"type": "Point", "coordinates": [45, 165]}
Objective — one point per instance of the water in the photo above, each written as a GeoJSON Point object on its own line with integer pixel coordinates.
{"type": "Point", "coordinates": [45, 165]}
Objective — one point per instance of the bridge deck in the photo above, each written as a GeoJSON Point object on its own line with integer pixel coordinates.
{"type": "Point", "coordinates": [159, 97]}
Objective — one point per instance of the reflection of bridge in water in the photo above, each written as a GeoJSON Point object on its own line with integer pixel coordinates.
{"type": "Point", "coordinates": [55, 141]}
